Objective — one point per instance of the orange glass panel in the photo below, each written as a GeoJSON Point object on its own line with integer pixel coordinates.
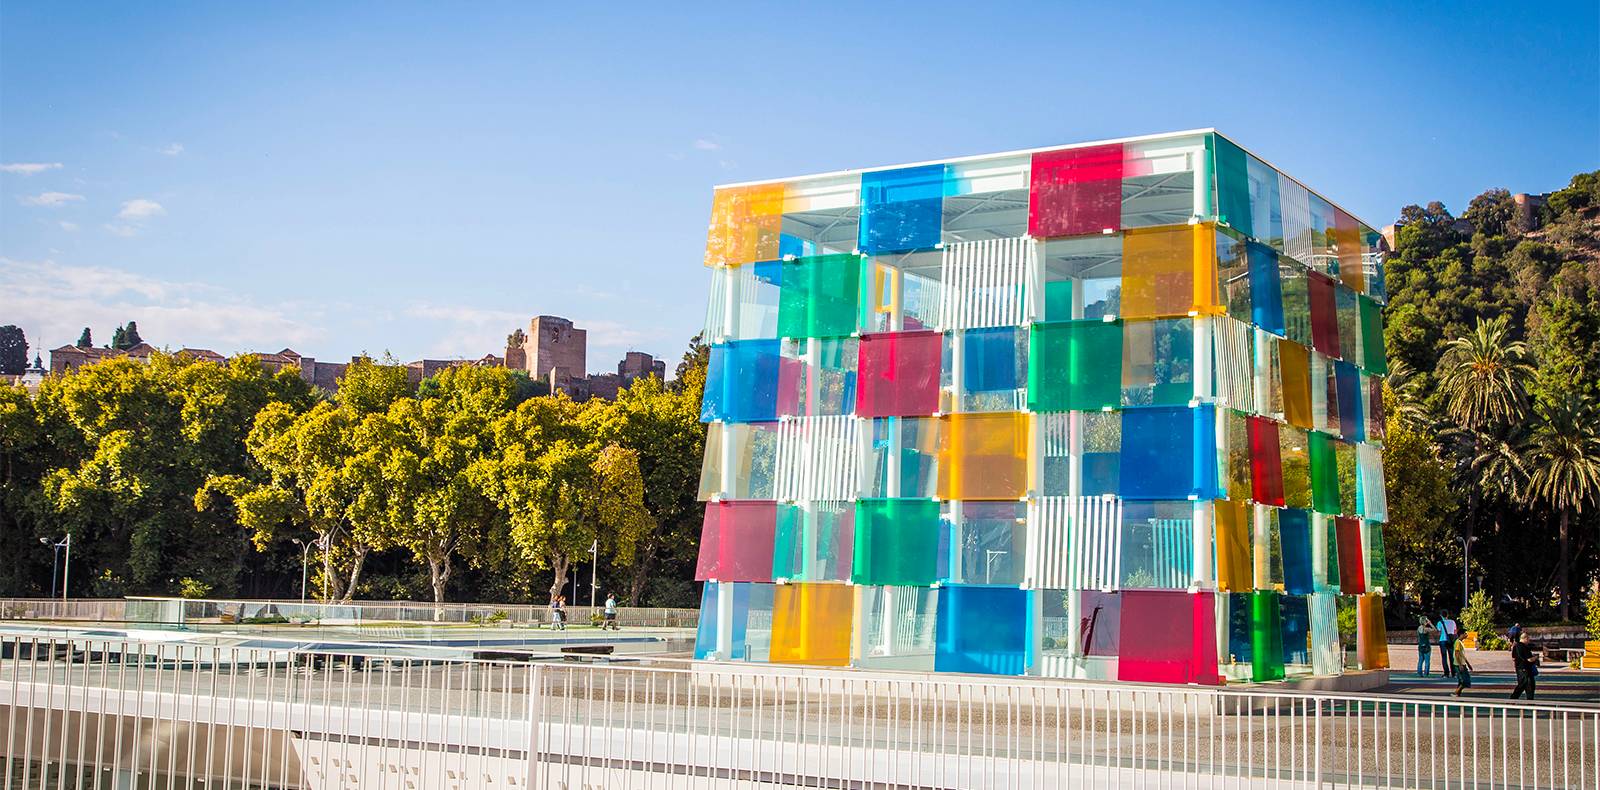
{"type": "Point", "coordinates": [1234, 525]}
{"type": "Point", "coordinates": [1372, 636]}
{"type": "Point", "coordinates": [1347, 244]}
{"type": "Point", "coordinates": [1294, 361]}
{"type": "Point", "coordinates": [811, 624]}
{"type": "Point", "coordinates": [745, 224]}
{"type": "Point", "coordinates": [1169, 271]}
{"type": "Point", "coordinates": [984, 456]}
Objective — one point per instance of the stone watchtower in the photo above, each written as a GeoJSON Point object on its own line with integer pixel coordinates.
{"type": "Point", "coordinates": [550, 343]}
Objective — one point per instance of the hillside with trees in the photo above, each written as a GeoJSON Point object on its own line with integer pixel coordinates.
{"type": "Point", "coordinates": [1493, 331]}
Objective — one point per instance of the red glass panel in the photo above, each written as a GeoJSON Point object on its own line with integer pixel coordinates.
{"type": "Point", "coordinates": [1168, 636]}
{"type": "Point", "coordinates": [1076, 191]}
{"type": "Point", "coordinates": [899, 374]}
{"type": "Point", "coordinates": [1266, 463]}
{"type": "Point", "coordinates": [1352, 580]}
{"type": "Point", "coordinates": [736, 541]}
{"type": "Point", "coordinates": [1324, 315]}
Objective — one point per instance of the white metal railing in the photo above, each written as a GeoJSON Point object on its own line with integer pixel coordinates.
{"type": "Point", "coordinates": [180, 611]}
{"type": "Point", "coordinates": [84, 712]}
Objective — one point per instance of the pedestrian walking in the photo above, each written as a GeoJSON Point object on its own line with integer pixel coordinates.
{"type": "Point", "coordinates": [1447, 639]}
{"type": "Point", "coordinates": [558, 613]}
{"type": "Point", "coordinates": [1426, 634]}
{"type": "Point", "coordinates": [1463, 668]}
{"type": "Point", "coordinates": [611, 612]}
{"type": "Point", "coordinates": [1527, 667]}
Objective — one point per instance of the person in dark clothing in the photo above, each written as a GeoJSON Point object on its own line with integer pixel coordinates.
{"type": "Point", "coordinates": [1527, 667]}
{"type": "Point", "coordinates": [1447, 643]}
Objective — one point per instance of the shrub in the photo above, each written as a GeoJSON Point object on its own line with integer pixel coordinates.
{"type": "Point", "coordinates": [1479, 616]}
{"type": "Point", "coordinates": [1591, 616]}
{"type": "Point", "coordinates": [193, 588]}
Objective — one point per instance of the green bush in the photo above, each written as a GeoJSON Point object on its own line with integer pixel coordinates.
{"type": "Point", "coordinates": [1479, 616]}
{"type": "Point", "coordinates": [193, 588]}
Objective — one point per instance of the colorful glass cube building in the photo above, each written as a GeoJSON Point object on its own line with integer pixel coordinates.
{"type": "Point", "coordinates": [1110, 410]}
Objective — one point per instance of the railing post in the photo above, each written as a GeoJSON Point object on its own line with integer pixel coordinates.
{"type": "Point", "coordinates": [535, 718]}
{"type": "Point", "coordinates": [1316, 751]}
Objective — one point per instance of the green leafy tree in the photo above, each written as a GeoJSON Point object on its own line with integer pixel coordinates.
{"type": "Point", "coordinates": [1566, 472]}
{"type": "Point", "coordinates": [85, 340]}
{"type": "Point", "coordinates": [368, 386]}
{"type": "Point", "coordinates": [13, 351]}
{"type": "Point", "coordinates": [1420, 504]}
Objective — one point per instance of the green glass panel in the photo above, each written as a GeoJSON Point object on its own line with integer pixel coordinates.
{"type": "Point", "coordinates": [820, 296]}
{"type": "Point", "coordinates": [1266, 637]}
{"type": "Point", "coordinates": [1377, 562]}
{"type": "Point", "coordinates": [1058, 300]}
{"type": "Point", "coordinates": [786, 544]}
{"type": "Point", "coordinates": [896, 542]}
{"type": "Point", "coordinates": [1233, 185]}
{"type": "Point", "coordinates": [1373, 356]}
{"type": "Point", "coordinates": [1324, 474]}
{"type": "Point", "coordinates": [1069, 365]}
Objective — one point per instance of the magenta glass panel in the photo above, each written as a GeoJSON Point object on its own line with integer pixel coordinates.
{"type": "Point", "coordinates": [899, 374]}
{"type": "Point", "coordinates": [1076, 191]}
{"type": "Point", "coordinates": [1168, 636]}
{"type": "Point", "coordinates": [1324, 315]}
{"type": "Point", "coordinates": [736, 541]}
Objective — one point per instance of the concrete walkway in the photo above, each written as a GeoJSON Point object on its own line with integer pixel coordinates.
{"type": "Point", "coordinates": [1493, 676]}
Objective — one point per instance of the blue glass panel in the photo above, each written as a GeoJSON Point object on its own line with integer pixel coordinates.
{"type": "Point", "coordinates": [1348, 382]}
{"type": "Point", "coordinates": [982, 629]}
{"type": "Point", "coordinates": [902, 210]}
{"type": "Point", "coordinates": [1169, 452]}
{"type": "Point", "coordinates": [705, 639]}
{"type": "Point", "coordinates": [796, 247]}
{"type": "Point", "coordinates": [1294, 534]}
{"type": "Point", "coordinates": [990, 361]}
{"type": "Point", "coordinates": [742, 382]}
{"type": "Point", "coordinates": [1239, 645]}
{"type": "Point", "coordinates": [1296, 613]}
{"type": "Point", "coordinates": [1266, 290]}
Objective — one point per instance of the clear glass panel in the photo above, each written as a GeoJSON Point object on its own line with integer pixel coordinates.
{"type": "Point", "coordinates": [1158, 181]}
{"type": "Point", "coordinates": [740, 461]}
{"type": "Point", "coordinates": [994, 363]}
{"type": "Point", "coordinates": [1377, 420]}
{"type": "Point", "coordinates": [1372, 499]}
{"type": "Point", "coordinates": [1377, 568]}
{"type": "Point", "coordinates": [817, 377]}
{"type": "Point", "coordinates": [986, 199]}
{"type": "Point", "coordinates": [1324, 553]}
{"type": "Point", "coordinates": [1344, 456]}
{"type": "Point", "coordinates": [1236, 469]}
{"type": "Point", "coordinates": [1157, 545]}
{"type": "Point", "coordinates": [1102, 453]}
{"type": "Point", "coordinates": [897, 627]}
{"type": "Point", "coordinates": [1294, 451]}
{"type": "Point", "coordinates": [1374, 250]}
{"type": "Point", "coordinates": [1268, 372]}
{"type": "Point", "coordinates": [751, 633]}
{"type": "Point", "coordinates": [1327, 656]}
{"type": "Point", "coordinates": [815, 542]}
{"type": "Point", "coordinates": [1349, 318]}
{"type": "Point", "coordinates": [1266, 216]}
{"type": "Point", "coordinates": [903, 291]}
{"type": "Point", "coordinates": [1324, 256]}
{"type": "Point", "coordinates": [1082, 278]}
{"type": "Point", "coordinates": [1233, 274]}
{"type": "Point", "coordinates": [1267, 548]}
{"type": "Point", "coordinates": [983, 630]}
{"type": "Point", "coordinates": [988, 542]}
{"type": "Point", "coordinates": [821, 216]}
{"type": "Point", "coordinates": [1157, 362]}
{"type": "Point", "coordinates": [1235, 664]}
{"type": "Point", "coordinates": [903, 458]}
{"type": "Point", "coordinates": [1294, 281]}
{"type": "Point", "coordinates": [752, 312]}
{"type": "Point", "coordinates": [1295, 616]}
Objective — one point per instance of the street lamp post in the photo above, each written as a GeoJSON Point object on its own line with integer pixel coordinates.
{"type": "Point", "coordinates": [55, 564]}
{"type": "Point", "coordinates": [305, 550]}
{"type": "Point", "coordinates": [1466, 567]}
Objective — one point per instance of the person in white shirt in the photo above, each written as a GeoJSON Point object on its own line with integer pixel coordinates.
{"type": "Point", "coordinates": [1448, 632]}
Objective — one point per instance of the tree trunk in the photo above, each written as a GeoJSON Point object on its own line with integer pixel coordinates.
{"type": "Point", "coordinates": [1564, 582]}
{"type": "Point", "coordinates": [641, 572]}
{"type": "Point", "coordinates": [439, 573]}
{"type": "Point", "coordinates": [355, 575]}
{"type": "Point", "coordinates": [558, 563]}
{"type": "Point", "coordinates": [330, 578]}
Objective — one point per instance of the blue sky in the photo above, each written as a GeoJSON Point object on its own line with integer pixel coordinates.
{"type": "Point", "coordinates": [349, 177]}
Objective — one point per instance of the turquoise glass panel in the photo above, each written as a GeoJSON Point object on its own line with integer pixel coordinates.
{"type": "Point", "coordinates": [982, 629]}
{"type": "Point", "coordinates": [1233, 186]}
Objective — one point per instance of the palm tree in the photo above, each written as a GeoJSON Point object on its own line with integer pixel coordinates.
{"type": "Point", "coordinates": [1484, 376]}
{"type": "Point", "coordinates": [1566, 468]}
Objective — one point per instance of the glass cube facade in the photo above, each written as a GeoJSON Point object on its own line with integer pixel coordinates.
{"type": "Point", "coordinates": [1106, 411]}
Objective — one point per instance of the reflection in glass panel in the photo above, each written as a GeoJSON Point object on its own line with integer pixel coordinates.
{"type": "Point", "coordinates": [1233, 274]}
{"type": "Point", "coordinates": [897, 627]}
{"type": "Point", "coordinates": [814, 542]}
{"type": "Point", "coordinates": [1157, 362]}
{"type": "Point", "coordinates": [987, 542]}
{"type": "Point", "coordinates": [1349, 319]}
{"type": "Point", "coordinates": [818, 377]}
{"type": "Point", "coordinates": [1294, 281]}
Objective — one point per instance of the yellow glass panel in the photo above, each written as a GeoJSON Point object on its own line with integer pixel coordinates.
{"type": "Point", "coordinates": [811, 624]}
{"type": "Point", "coordinates": [1294, 362]}
{"type": "Point", "coordinates": [1372, 636]}
{"type": "Point", "coordinates": [1234, 525]}
{"type": "Point", "coordinates": [984, 456]}
{"type": "Point", "coordinates": [745, 225]}
{"type": "Point", "coordinates": [1170, 271]}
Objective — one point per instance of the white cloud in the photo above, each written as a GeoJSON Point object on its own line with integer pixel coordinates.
{"type": "Point", "coordinates": [140, 208]}
{"type": "Point", "coordinates": [50, 199]}
{"type": "Point", "coordinates": [28, 168]}
{"type": "Point", "coordinates": [70, 227]}
{"type": "Point", "coordinates": [125, 231]}
{"type": "Point", "coordinates": [173, 150]}
{"type": "Point", "coordinates": [703, 144]}
{"type": "Point", "coordinates": [58, 300]}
